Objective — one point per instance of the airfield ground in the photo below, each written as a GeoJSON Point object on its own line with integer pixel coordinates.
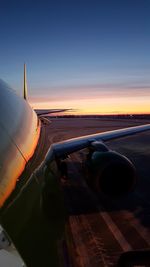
{"type": "Point", "coordinates": [98, 229]}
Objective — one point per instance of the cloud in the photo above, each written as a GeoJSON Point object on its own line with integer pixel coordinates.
{"type": "Point", "coordinates": [91, 91]}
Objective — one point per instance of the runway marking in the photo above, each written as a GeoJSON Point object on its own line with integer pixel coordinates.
{"type": "Point", "coordinates": [111, 225]}
{"type": "Point", "coordinates": [115, 231]}
{"type": "Point", "coordinates": [89, 247]}
{"type": "Point", "coordinates": [142, 231]}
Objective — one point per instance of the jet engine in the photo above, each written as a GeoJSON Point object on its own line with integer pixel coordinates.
{"type": "Point", "coordinates": [109, 172]}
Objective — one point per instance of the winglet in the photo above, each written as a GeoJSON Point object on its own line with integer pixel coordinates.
{"type": "Point", "coordinates": [25, 90]}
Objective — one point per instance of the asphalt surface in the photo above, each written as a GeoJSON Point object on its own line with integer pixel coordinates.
{"type": "Point", "coordinates": [99, 229]}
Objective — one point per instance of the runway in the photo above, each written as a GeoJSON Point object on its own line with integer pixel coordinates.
{"type": "Point", "coordinates": [98, 229]}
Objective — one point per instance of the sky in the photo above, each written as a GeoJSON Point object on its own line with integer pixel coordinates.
{"type": "Point", "coordinates": [92, 56]}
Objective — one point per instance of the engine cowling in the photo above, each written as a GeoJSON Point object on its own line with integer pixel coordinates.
{"type": "Point", "coordinates": [110, 173]}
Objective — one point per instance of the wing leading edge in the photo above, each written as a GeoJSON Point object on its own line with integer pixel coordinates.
{"type": "Point", "coordinates": [72, 145]}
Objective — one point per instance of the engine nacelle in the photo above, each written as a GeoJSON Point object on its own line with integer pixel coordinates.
{"type": "Point", "coordinates": [110, 173]}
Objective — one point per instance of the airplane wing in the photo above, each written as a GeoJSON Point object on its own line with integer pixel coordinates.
{"type": "Point", "coordinates": [32, 211]}
{"type": "Point", "coordinates": [41, 112]}
{"type": "Point", "coordinates": [67, 147]}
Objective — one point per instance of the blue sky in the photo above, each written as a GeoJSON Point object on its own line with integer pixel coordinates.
{"type": "Point", "coordinates": [76, 49]}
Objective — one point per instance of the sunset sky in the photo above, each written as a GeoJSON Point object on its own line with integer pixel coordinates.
{"type": "Point", "coordinates": [92, 56]}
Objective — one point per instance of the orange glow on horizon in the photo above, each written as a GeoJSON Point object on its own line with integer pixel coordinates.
{"type": "Point", "coordinates": [103, 105]}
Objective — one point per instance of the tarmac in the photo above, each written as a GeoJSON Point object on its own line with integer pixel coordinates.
{"type": "Point", "coordinates": [99, 229]}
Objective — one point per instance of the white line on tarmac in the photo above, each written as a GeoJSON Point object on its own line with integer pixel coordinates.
{"type": "Point", "coordinates": [115, 231]}
{"type": "Point", "coordinates": [142, 231]}
{"type": "Point", "coordinates": [111, 225]}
